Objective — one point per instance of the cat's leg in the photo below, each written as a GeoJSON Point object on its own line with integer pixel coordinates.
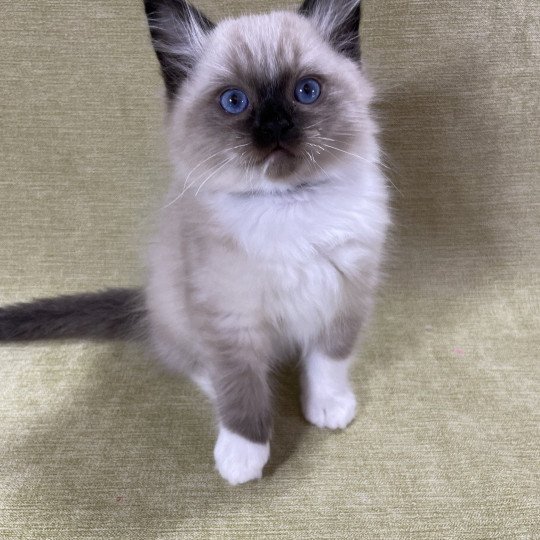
{"type": "Point", "coordinates": [204, 384]}
{"type": "Point", "coordinates": [245, 420]}
{"type": "Point", "coordinates": [327, 397]}
{"type": "Point", "coordinates": [328, 400]}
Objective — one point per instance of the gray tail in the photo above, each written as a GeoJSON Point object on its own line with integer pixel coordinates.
{"type": "Point", "coordinates": [109, 314]}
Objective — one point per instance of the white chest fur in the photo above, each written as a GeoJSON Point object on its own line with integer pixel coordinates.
{"type": "Point", "coordinates": [309, 242]}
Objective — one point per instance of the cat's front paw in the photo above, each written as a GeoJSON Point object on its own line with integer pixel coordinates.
{"type": "Point", "coordinates": [239, 460]}
{"type": "Point", "coordinates": [332, 411]}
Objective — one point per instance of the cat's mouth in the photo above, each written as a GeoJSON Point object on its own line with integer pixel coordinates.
{"type": "Point", "coordinates": [278, 152]}
{"type": "Point", "coordinates": [279, 162]}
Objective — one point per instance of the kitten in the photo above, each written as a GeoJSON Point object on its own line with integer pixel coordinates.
{"type": "Point", "coordinates": [271, 237]}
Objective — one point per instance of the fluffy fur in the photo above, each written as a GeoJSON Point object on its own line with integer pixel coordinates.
{"type": "Point", "coordinates": [111, 314]}
{"type": "Point", "coordinates": [265, 249]}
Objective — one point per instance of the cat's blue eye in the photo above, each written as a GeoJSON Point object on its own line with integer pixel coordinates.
{"type": "Point", "coordinates": [234, 101]}
{"type": "Point", "coordinates": [307, 91]}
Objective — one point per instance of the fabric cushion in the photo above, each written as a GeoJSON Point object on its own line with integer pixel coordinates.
{"type": "Point", "coordinates": [97, 441]}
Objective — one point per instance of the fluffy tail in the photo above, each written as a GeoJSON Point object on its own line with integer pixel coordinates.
{"type": "Point", "coordinates": [109, 314]}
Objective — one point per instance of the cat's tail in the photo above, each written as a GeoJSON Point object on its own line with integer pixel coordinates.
{"type": "Point", "coordinates": [109, 314]}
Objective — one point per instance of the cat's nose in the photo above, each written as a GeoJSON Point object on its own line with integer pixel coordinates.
{"type": "Point", "coordinates": [273, 124]}
{"type": "Point", "coordinates": [276, 130]}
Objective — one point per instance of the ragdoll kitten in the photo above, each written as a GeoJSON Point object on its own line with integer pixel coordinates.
{"type": "Point", "coordinates": [271, 237]}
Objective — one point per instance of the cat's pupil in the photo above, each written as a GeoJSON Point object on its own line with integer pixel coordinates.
{"type": "Point", "coordinates": [234, 101]}
{"type": "Point", "coordinates": [307, 91]}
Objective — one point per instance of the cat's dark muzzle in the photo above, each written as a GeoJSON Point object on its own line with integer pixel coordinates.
{"type": "Point", "coordinates": [274, 124]}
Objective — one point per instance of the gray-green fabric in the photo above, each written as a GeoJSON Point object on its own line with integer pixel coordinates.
{"type": "Point", "coordinates": [96, 441]}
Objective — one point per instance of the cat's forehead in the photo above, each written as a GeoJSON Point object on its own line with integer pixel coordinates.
{"type": "Point", "coordinates": [268, 46]}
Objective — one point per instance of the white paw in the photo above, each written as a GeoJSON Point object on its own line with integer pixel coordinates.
{"type": "Point", "coordinates": [333, 411]}
{"type": "Point", "coordinates": [239, 460]}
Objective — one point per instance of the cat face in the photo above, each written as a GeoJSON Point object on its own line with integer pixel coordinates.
{"type": "Point", "coordinates": [263, 102]}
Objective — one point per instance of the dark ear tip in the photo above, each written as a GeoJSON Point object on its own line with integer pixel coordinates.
{"type": "Point", "coordinates": [163, 17]}
{"type": "Point", "coordinates": [343, 28]}
{"type": "Point", "coordinates": [308, 6]}
{"type": "Point", "coordinates": [150, 7]}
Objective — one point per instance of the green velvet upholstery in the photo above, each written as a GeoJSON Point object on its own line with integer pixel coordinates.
{"type": "Point", "coordinates": [97, 441]}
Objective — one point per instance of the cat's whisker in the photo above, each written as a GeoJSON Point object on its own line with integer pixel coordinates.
{"type": "Point", "coordinates": [315, 124]}
{"type": "Point", "coordinates": [320, 148]}
{"type": "Point", "coordinates": [250, 169]}
{"type": "Point", "coordinates": [177, 198]}
{"type": "Point", "coordinates": [310, 157]}
{"type": "Point", "coordinates": [323, 171]}
{"type": "Point", "coordinates": [213, 156]}
{"type": "Point", "coordinates": [186, 187]}
{"type": "Point", "coordinates": [326, 139]}
{"type": "Point", "coordinates": [367, 161]}
{"type": "Point", "coordinates": [350, 153]}
{"type": "Point", "coordinates": [214, 173]}
{"type": "Point", "coordinates": [313, 161]}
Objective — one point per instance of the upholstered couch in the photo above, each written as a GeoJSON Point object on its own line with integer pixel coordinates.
{"type": "Point", "coordinates": [97, 441]}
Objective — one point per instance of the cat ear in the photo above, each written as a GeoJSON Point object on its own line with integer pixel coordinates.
{"type": "Point", "coordinates": [179, 32]}
{"type": "Point", "coordinates": [339, 22]}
